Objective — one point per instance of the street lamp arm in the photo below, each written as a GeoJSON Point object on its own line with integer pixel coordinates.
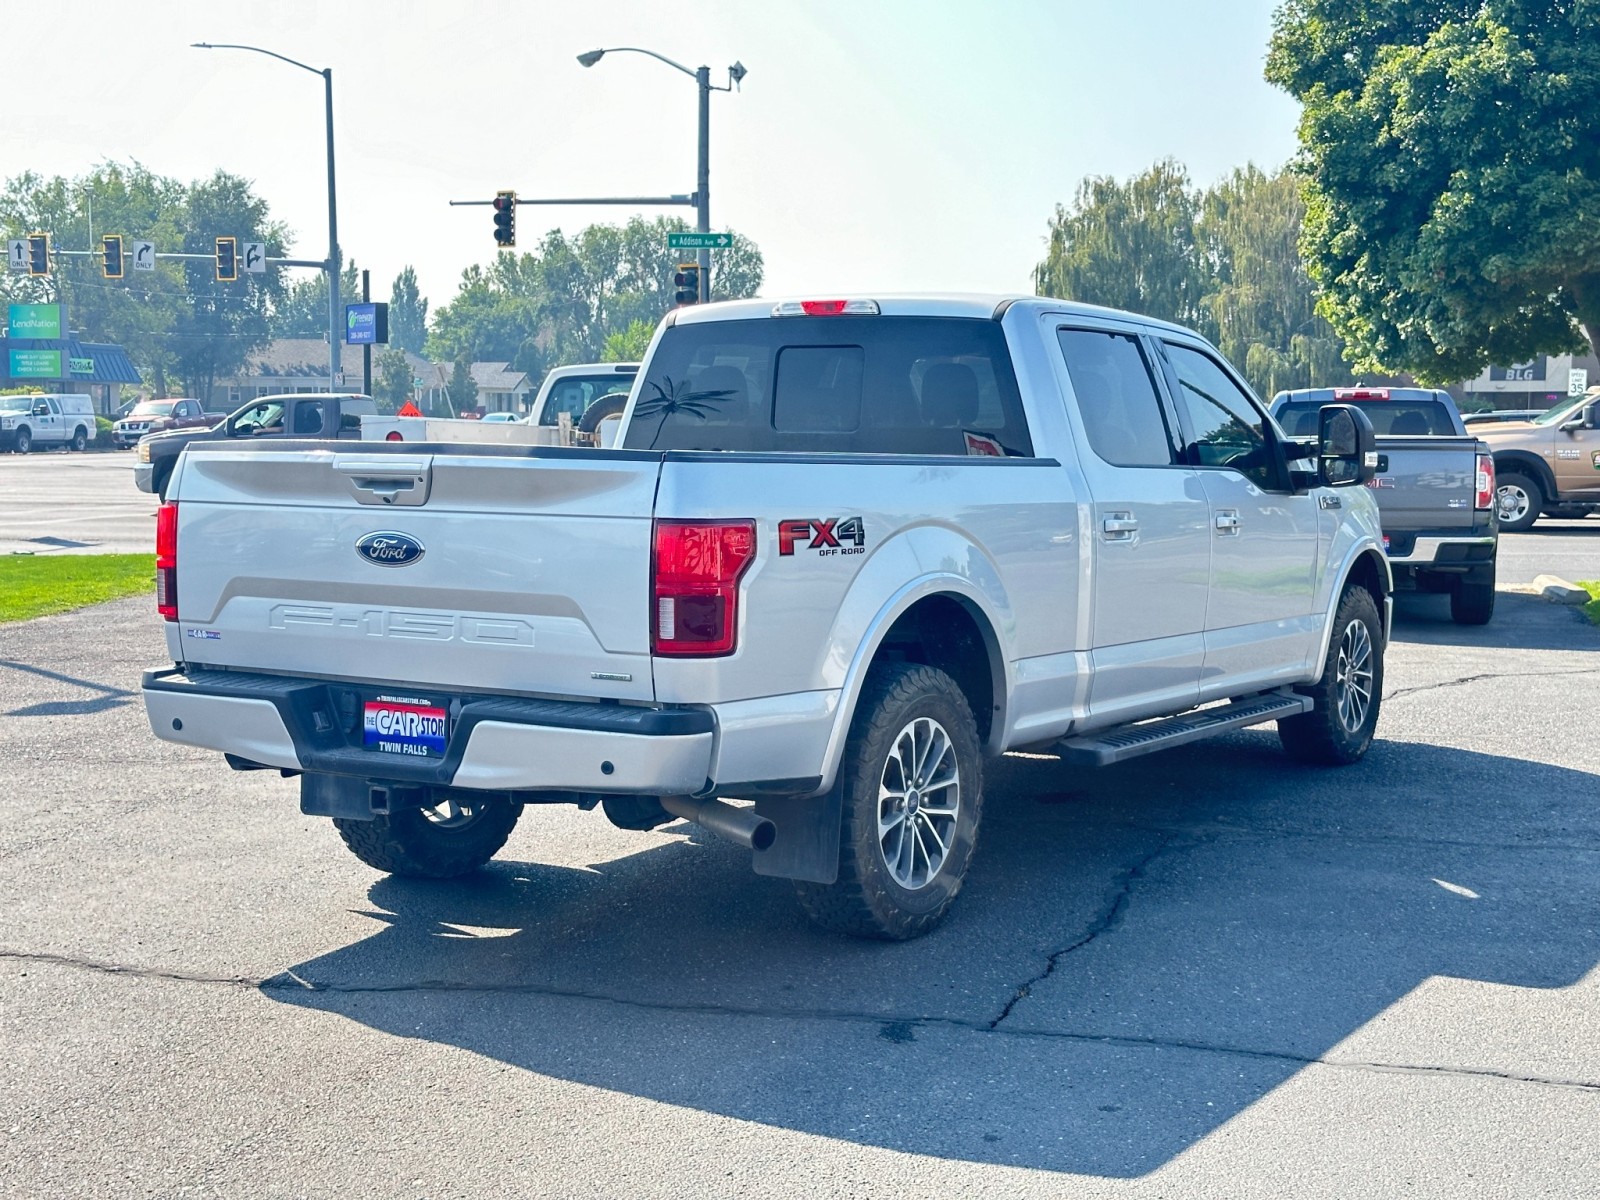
{"type": "Point", "coordinates": [294, 62]}
{"type": "Point", "coordinates": [641, 50]}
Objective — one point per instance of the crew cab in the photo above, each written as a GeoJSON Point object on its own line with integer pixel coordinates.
{"type": "Point", "coordinates": [1549, 465]}
{"type": "Point", "coordinates": [1435, 485]}
{"type": "Point", "coordinates": [847, 550]}
{"type": "Point", "coordinates": [295, 414]}
{"type": "Point", "coordinates": [160, 416]}
{"type": "Point", "coordinates": [34, 420]}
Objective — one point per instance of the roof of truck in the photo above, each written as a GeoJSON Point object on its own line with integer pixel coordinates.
{"type": "Point", "coordinates": [916, 304]}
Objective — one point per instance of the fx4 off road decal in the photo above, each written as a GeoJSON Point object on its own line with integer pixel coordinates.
{"type": "Point", "coordinates": [825, 535]}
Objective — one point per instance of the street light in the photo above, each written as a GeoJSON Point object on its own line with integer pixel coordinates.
{"type": "Point", "coordinates": [332, 266]}
{"type": "Point", "coordinates": [702, 191]}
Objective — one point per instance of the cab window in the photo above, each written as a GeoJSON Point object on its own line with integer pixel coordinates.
{"type": "Point", "coordinates": [1226, 429]}
{"type": "Point", "coordinates": [1117, 398]}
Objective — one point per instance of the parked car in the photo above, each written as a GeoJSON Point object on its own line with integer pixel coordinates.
{"type": "Point", "coordinates": [1502, 414]}
{"type": "Point", "coordinates": [293, 415]}
{"type": "Point", "coordinates": [851, 548]}
{"type": "Point", "coordinates": [1549, 465]}
{"type": "Point", "coordinates": [1435, 488]}
{"type": "Point", "coordinates": [156, 416]}
{"type": "Point", "coordinates": [503, 418]}
{"type": "Point", "coordinates": [46, 420]}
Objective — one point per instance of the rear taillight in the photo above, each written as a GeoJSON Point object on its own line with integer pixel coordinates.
{"type": "Point", "coordinates": [1485, 490]}
{"type": "Point", "coordinates": [1340, 395]}
{"type": "Point", "coordinates": [167, 561]}
{"type": "Point", "coordinates": [695, 591]}
{"type": "Point", "coordinates": [825, 308]}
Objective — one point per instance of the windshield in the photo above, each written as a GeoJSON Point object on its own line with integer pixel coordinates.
{"type": "Point", "coordinates": [1554, 416]}
{"type": "Point", "coordinates": [154, 408]}
{"type": "Point", "coordinates": [16, 403]}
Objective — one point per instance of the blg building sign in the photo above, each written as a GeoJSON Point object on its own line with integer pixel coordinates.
{"type": "Point", "coordinates": [34, 321]}
{"type": "Point", "coordinates": [34, 364]}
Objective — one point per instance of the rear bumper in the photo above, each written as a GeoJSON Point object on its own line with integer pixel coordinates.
{"type": "Point", "coordinates": [1459, 551]}
{"type": "Point", "coordinates": [496, 743]}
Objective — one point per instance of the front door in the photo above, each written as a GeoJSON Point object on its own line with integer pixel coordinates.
{"type": "Point", "coordinates": [1265, 540]}
{"type": "Point", "coordinates": [1148, 525]}
{"type": "Point", "coordinates": [1577, 457]}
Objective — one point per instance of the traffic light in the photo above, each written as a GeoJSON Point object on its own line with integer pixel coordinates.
{"type": "Point", "coordinates": [227, 259]}
{"type": "Point", "coordinates": [111, 256]}
{"type": "Point", "coordinates": [38, 254]}
{"type": "Point", "coordinates": [505, 219]}
{"type": "Point", "coordinates": [687, 281]}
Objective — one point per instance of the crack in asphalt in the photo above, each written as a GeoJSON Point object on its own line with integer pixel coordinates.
{"type": "Point", "coordinates": [1466, 679]}
{"type": "Point", "coordinates": [1110, 916]}
{"type": "Point", "coordinates": [287, 981]}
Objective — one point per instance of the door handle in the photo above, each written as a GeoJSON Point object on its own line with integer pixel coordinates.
{"type": "Point", "coordinates": [1119, 527]}
{"type": "Point", "coordinates": [1228, 521]}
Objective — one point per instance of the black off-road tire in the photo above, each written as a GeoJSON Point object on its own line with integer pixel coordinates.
{"type": "Point", "coordinates": [1535, 497]}
{"type": "Point", "coordinates": [1472, 602]}
{"type": "Point", "coordinates": [80, 439]}
{"type": "Point", "coordinates": [866, 900]}
{"type": "Point", "coordinates": [606, 406]}
{"type": "Point", "coordinates": [1328, 734]}
{"type": "Point", "coordinates": [409, 844]}
{"type": "Point", "coordinates": [24, 440]}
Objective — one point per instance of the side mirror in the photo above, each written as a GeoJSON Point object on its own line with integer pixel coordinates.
{"type": "Point", "coordinates": [1347, 448]}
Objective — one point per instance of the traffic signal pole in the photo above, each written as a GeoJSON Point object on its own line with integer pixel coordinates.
{"type": "Point", "coordinates": [702, 182]}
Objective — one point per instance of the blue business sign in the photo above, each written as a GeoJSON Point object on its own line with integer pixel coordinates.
{"type": "Point", "coordinates": [366, 324]}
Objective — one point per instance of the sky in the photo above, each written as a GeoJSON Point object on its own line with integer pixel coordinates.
{"type": "Point", "coordinates": [878, 145]}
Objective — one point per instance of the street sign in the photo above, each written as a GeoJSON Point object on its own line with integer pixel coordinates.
{"type": "Point", "coordinates": [1577, 381]}
{"type": "Point", "coordinates": [17, 253]}
{"type": "Point", "coordinates": [144, 256]}
{"type": "Point", "coordinates": [699, 241]}
{"type": "Point", "coordinates": [255, 257]}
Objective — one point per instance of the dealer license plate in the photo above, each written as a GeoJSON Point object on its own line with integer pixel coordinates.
{"type": "Point", "coordinates": [417, 729]}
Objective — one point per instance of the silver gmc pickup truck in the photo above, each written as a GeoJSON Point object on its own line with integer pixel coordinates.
{"type": "Point", "coordinates": [846, 550]}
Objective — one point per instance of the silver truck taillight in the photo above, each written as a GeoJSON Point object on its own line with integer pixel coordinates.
{"type": "Point", "coordinates": [695, 572]}
{"type": "Point", "coordinates": [1485, 489]}
{"type": "Point", "coordinates": [167, 561]}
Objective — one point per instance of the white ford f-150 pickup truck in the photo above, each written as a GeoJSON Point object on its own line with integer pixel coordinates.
{"type": "Point", "coordinates": [846, 550]}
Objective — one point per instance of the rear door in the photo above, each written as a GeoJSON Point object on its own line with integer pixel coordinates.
{"type": "Point", "coordinates": [478, 568]}
{"type": "Point", "coordinates": [50, 426]}
{"type": "Point", "coordinates": [1266, 541]}
{"type": "Point", "coordinates": [1149, 525]}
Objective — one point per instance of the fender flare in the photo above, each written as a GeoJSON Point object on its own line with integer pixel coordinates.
{"type": "Point", "coordinates": [1369, 550]}
{"type": "Point", "coordinates": [896, 606]}
{"type": "Point", "coordinates": [1525, 462]}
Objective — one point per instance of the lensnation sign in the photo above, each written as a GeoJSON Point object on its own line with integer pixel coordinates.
{"type": "Point", "coordinates": [34, 320]}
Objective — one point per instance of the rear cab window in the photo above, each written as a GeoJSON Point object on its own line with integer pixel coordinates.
{"type": "Point", "coordinates": [574, 394]}
{"type": "Point", "coordinates": [847, 384]}
{"type": "Point", "coordinates": [1390, 418]}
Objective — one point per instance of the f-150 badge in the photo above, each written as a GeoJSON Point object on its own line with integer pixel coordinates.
{"type": "Point", "coordinates": [825, 535]}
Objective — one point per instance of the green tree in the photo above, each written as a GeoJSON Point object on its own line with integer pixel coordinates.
{"type": "Point", "coordinates": [302, 312]}
{"type": "Point", "coordinates": [1129, 245]}
{"type": "Point", "coordinates": [392, 386]}
{"type": "Point", "coordinates": [628, 345]}
{"type": "Point", "coordinates": [1260, 301]}
{"type": "Point", "coordinates": [1453, 155]}
{"type": "Point", "coordinates": [463, 391]}
{"type": "Point", "coordinates": [408, 313]}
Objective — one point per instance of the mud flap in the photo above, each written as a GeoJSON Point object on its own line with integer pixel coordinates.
{"type": "Point", "coordinates": [807, 845]}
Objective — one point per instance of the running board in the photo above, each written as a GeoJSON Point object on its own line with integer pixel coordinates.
{"type": "Point", "coordinates": [1123, 742]}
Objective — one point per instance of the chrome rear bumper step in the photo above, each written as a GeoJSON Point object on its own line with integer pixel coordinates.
{"type": "Point", "coordinates": [1107, 746]}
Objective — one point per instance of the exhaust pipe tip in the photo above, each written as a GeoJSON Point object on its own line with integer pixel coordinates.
{"type": "Point", "coordinates": [741, 826]}
{"type": "Point", "coordinates": [763, 835]}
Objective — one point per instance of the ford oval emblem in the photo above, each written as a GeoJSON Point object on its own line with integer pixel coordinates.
{"type": "Point", "coordinates": [387, 548]}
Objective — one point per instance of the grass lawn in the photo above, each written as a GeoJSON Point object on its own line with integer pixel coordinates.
{"type": "Point", "coordinates": [33, 586]}
{"type": "Point", "coordinates": [1592, 586]}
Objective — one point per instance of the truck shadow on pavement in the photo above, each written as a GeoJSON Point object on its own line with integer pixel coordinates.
{"type": "Point", "coordinates": [1520, 622]}
{"type": "Point", "coordinates": [1140, 956]}
{"type": "Point", "coordinates": [105, 696]}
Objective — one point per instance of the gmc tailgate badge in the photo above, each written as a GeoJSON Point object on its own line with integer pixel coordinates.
{"type": "Point", "coordinates": [389, 549]}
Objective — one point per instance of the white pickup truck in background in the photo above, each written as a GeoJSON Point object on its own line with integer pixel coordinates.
{"type": "Point", "coordinates": [579, 405]}
{"type": "Point", "coordinates": [847, 550]}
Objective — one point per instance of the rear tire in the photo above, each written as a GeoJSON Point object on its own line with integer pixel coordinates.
{"type": "Point", "coordinates": [80, 439]}
{"type": "Point", "coordinates": [912, 780]}
{"type": "Point", "coordinates": [1472, 603]}
{"type": "Point", "coordinates": [1340, 729]}
{"type": "Point", "coordinates": [437, 843]}
{"type": "Point", "coordinates": [1519, 501]}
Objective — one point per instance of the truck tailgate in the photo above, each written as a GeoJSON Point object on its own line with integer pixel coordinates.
{"type": "Point", "coordinates": [1426, 482]}
{"type": "Point", "coordinates": [533, 575]}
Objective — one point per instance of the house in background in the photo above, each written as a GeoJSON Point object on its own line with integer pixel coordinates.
{"type": "Point", "coordinates": [500, 389]}
{"type": "Point", "coordinates": [301, 365]}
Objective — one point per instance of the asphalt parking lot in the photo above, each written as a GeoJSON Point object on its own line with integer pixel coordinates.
{"type": "Point", "coordinates": [1206, 973]}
